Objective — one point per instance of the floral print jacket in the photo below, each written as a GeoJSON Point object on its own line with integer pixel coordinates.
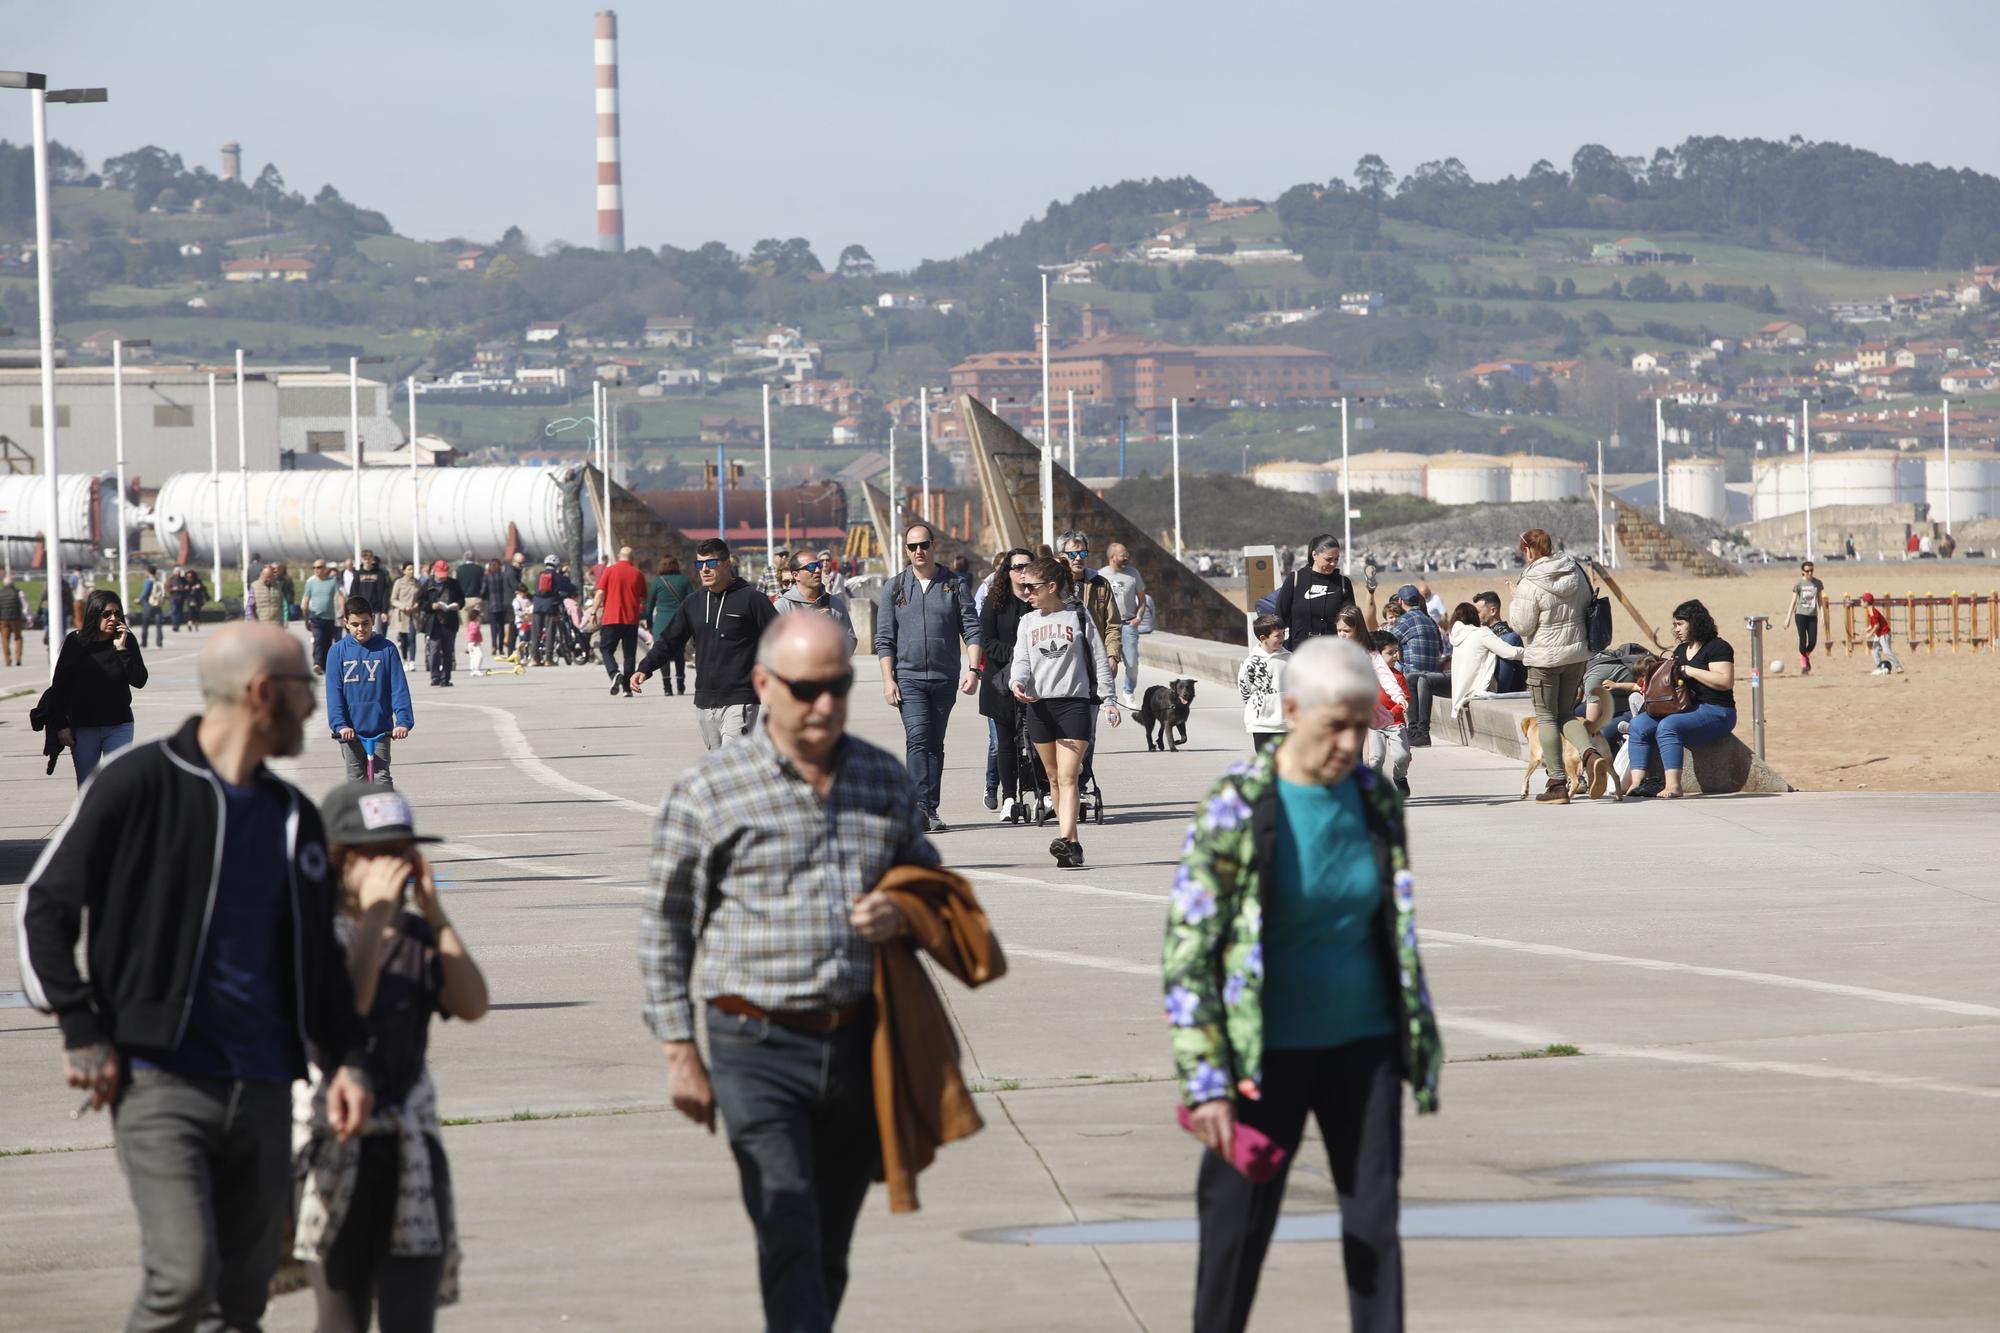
{"type": "Point", "coordinates": [1213, 961]}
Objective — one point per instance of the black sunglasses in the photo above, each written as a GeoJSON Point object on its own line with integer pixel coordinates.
{"type": "Point", "coordinates": [916, 546]}
{"type": "Point", "coordinates": [706, 564]}
{"type": "Point", "coordinates": [1015, 569]}
{"type": "Point", "coordinates": [813, 565]}
{"type": "Point", "coordinates": [1077, 554]}
{"type": "Point", "coordinates": [806, 691]}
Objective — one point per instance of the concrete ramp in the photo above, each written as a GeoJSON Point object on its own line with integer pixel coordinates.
{"type": "Point", "coordinates": [633, 524]}
{"type": "Point", "coordinates": [1010, 477]}
{"type": "Point", "coordinates": [889, 528]}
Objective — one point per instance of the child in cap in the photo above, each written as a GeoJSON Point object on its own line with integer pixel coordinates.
{"type": "Point", "coordinates": [375, 1223]}
{"type": "Point", "coordinates": [1881, 639]}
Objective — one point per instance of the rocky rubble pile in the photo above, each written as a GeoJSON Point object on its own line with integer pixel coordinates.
{"type": "Point", "coordinates": [1486, 536]}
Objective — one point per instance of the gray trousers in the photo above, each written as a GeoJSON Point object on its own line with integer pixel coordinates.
{"type": "Point", "coordinates": [209, 1165]}
{"type": "Point", "coordinates": [726, 725]}
{"type": "Point", "coordinates": [357, 762]}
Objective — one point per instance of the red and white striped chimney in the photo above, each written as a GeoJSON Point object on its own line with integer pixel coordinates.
{"type": "Point", "coordinates": [610, 189]}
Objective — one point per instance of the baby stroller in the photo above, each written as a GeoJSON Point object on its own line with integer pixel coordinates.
{"type": "Point", "coordinates": [1033, 803]}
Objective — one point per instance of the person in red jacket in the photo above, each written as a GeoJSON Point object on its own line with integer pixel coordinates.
{"type": "Point", "coordinates": [623, 590]}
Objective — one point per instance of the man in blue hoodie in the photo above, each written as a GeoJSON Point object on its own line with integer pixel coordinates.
{"type": "Point", "coordinates": [366, 694]}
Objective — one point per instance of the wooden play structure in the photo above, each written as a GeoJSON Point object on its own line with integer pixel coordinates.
{"type": "Point", "coordinates": [1923, 620]}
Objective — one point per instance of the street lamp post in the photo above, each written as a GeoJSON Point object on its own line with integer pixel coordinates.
{"type": "Point", "coordinates": [1069, 420]}
{"type": "Point", "coordinates": [1048, 445]}
{"type": "Point", "coordinates": [215, 493]}
{"type": "Point", "coordinates": [770, 517]}
{"type": "Point", "coordinates": [1947, 467]}
{"type": "Point", "coordinates": [354, 364]}
{"type": "Point", "coordinates": [924, 443]}
{"type": "Point", "coordinates": [416, 485]}
{"type": "Point", "coordinates": [1805, 421]}
{"type": "Point", "coordinates": [1660, 451]}
{"type": "Point", "coordinates": [1346, 497]}
{"type": "Point", "coordinates": [242, 470]}
{"type": "Point", "coordinates": [1176, 407]}
{"type": "Point", "coordinates": [118, 346]}
{"type": "Point", "coordinates": [895, 539]}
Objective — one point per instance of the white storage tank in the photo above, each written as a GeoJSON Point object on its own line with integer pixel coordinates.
{"type": "Point", "coordinates": [1298, 478]}
{"type": "Point", "coordinates": [1533, 478]}
{"type": "Point", "coordinates": [1839, 477]}
{"type": "Point", "coordinates": [1697, 486]}
{"type": "Point", "coordinates": [294, 516]}
{"type": "Point", "coordinates": [1468, 479]}
{"type": "Point", "coordinates": [1975, 485]}
{"type": "Point", "coordinates": [1386, 472]}
{"type": "Point", "coordinates": [88, 505]}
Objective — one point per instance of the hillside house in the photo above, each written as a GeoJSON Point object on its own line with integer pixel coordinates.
{"type": "Point", "coordinates": [543, 377]}
{"type": "Point", "coordinates": [674, 381]}
{"type": "Point", "coordinates": [1781, 333]}
{"type": "Point", "coordinates": [669, 331]}
{"type": "Point", "coordinates": [544, 331]}
{"type": "Point", "coordinates": [472, 261]}
{"type": "Point", "coordinates": [267, 268]}
{"type": "Point", "coordinates": [847, 430]}
{"type": "Point", "coordinates": [902, 301]}
{"type": "Point", "coordinates": [1652, 363]}
{"type": "Point", "coordinates": [1078, 274]}
{"type": "Point", "coordinates": [1242, 208]}
{"type": "Point", "coordinates": [1360, 303]}
{"type": "Point", "coordinates": [1488, 373]}
{"type": "Point", "coordinates": [1873, 356]}
{"type": "Point", "coordinates": [1969, 379]}
{"type": "Point", "coordinates": [729, 430]}
{"type": "Point", "coordinates": [1916, 358]}
{"type": "Point", "coordinates": [493, 357]}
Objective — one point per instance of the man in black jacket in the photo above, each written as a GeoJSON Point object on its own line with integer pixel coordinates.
{"type": "Point", "coordinates": [1312, 599]}
{"type": "Point", "coordinates": [372, 581]}
{"type": "Point", "coordinates": [725, 620]}
{"type": "Point", "coordinates": [213, 975]}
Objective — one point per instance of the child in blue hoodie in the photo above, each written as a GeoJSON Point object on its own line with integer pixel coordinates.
{"type": "Point", "coordinates": [366, 694]}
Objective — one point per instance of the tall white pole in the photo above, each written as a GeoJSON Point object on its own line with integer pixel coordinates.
{"type": "Point", "coordinates": [924, 443]}
{"type": "Point", "coordinates": [242, 469]}
{"type": "Point", "coordinates": [597, 455]}
{"type": "Point", "coordinates": [125, 579]}
{"type": "Point", "coordinates": [215, 491]}
{"type": "Point", "coordinates": [354, 427]}
{"type": "Point", "coordinates": [770, 518]}
{"type": "Point", "coordinates": [1176, 407]}
{"type": "Point", "coordinates": [1346, 499]}
{"type": "Point", "coordinates": [1947, 467]}
{"type": "Point", "coordinates": [610, 453]}
{"type": "Point", "coordinates": [1600, 502]}
{"type": "Point", "coordinates": [1805, 419]}
{"type": "Point", "coordinates": [1069, 415]}
{"type": "Point", "coordinates": [416, 506]}
{"type": "Point", "coordinates": [1048, 445]}
{"type": "Point", "coordinates": [1660, 446]}
{"type": "Point", "coordinates": [894, 537]}
{"type": "Point", "coordinates": [56, 602]}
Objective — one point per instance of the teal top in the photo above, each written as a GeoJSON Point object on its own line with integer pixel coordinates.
{"type": "Point", "coordinates": [1323, 983]}
{"type": "Point", "coordinates": [323, 598]}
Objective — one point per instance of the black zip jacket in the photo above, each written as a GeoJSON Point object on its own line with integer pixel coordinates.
{"type": "Point", "coordinates": [372, 585]}
{"type": "Point", "coordinates": [725, 627]}
{"type": "Point", "coordinates": [1310, 603]}
{"type": "Point", "coordinates": [93, 683]}
{"type": "Point", "coordinates": [140, 851]}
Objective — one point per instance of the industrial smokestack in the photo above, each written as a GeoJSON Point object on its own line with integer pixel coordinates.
{"type": "Point", "coordinates": [232, 161]}
{"type": "Point", "coordinates": [610, 189]}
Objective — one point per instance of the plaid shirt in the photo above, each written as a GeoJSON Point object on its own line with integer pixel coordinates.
{"type": "Point", "coordinates": [1422, 645]}
{"type": "Point", "coordinates": [759, 868]}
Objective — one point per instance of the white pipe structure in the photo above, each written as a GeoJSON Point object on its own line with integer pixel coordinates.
{"type": "Point", "coordinates": [1805, 418]}
{"type": "Point", "coordinates": [924, 441]}
{"type": "Point", "coordinates": [770, 518]}
{"type": "Point", "coordinates": [125, 577]}
{"type": "Point", "coordinates": [1346, 497]}
{"type": "Point", "coordinates": [243, 465]}
{"type": "Point", "coordinates": [416, 510]}
{"type": "Point", "coordinates": [1660, 446]}
{"type": "Point", "coordinates": [1069, 415]}
{"type": "Point", "coordinates": [1600, 502]}
{"type": "Point", "coordinates": [1177, 480]}
{"type": "Point", "coordinates": [215, 497]}
{"type": "Point", "coordinates": [894, 539]}
{"type": "Point", "coordinates": [354, 443]}
{"type": "Point", "coordinates": [1048, 445]}
{"type": "Point", "coordinates": [55, 602]}
{"type": "Point", "coordinates": [1947, 468]}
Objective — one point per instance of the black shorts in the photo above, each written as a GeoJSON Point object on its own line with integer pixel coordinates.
{"type": "Point", "coordinates": [1052, 720]}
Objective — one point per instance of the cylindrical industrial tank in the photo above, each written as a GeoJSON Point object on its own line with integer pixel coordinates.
{"type": "Point", "coordinates": [1975, 485]}
{"type": "Point", "coordinates": [1299, 478]}
{"type": "Point", "coordinates": [1839, 477]}
{"type": "Point", "coordinates": [88, 503]}
{"type": "Point", "coordinates": [1386, 472]}
{"type": "Point", "coordinates": [1533, 478]}
{"type": "Point", "coordinates": [489, 511]}
{"type": "Point", "coordinates": [1468, 479]}
{"type": "Point", "coordinates": [1698, 486]}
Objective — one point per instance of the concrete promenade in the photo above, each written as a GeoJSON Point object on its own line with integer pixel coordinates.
{"type": "Point", "coordinates": [1785, 1007]}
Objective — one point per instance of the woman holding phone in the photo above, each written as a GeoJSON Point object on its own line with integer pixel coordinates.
{"type": "Point", "coordinates": [1293, 986]}
{"type": "Point", "coordinates": [89, 702]}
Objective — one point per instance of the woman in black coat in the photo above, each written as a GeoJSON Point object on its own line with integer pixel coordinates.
{"type": "Point", "coordinates": [438, 604]}
{"type": "Point", "coordinates": [89, 700]}
{"type": "Point", "coordinates": [999, 618]}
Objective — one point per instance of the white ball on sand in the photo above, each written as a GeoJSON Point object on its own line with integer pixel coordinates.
{"type": "Point", "coordinates": [1777, 668]}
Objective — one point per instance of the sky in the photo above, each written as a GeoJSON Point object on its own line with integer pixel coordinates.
{"type": "Point", "coordinates": [921, 130]}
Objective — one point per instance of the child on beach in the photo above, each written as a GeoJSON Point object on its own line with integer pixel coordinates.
{"type": "Point", "coordinates": [1261, 682]}
{"type": "Point", "coordinates": [524, 620]}
{"type": "Point", "coordinates": [475, 642]}
{"type": "Point", "coordinates": [1881, 639]}
{"type": "Point", "coordinates": [1388, 739]}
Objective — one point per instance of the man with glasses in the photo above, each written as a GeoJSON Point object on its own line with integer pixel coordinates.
{"type": "Point", "coordinates": [1128, 588]}
{"type": "Point", "coordinates": [724, 619]}
{"type": "Point", "coordinates": [772, 581]}
{"type": "Point", "coordinates": [212, 964]}
{"type": "Point", "coordinates": [322, 612]}
{"type": "Point", "coordinates": [921, 618]}
{"type": "Point", "coordinates": [808, 593]}
{"type": "Point", "coordinates": [831, 574]}
{"type": "Point", "coordinates": [766, 857]}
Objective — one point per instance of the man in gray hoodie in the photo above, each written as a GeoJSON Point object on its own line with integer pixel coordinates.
{"type": "Point", "coordinates": [808, 593]}
{"type": "Point", "coordinates": [1551, 613]}
{"type": "Point", "coordinates": [920, 618]}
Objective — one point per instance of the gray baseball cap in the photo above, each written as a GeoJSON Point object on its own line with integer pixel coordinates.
{"type": "Point", "coordinates": [358, 814]}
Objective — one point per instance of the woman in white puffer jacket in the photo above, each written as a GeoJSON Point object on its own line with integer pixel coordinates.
{"type": "Point", "coordinates": [1475, 656]}
{"type": "Point", "coordinates": [1551, 611]}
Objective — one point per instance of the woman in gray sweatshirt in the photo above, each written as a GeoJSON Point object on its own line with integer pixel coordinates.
{"type": "Point", "coordinates": [1060, 670]}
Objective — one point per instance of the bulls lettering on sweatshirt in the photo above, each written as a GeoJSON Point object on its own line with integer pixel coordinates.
{"type": "Point", "coordinates": [1061, 656]}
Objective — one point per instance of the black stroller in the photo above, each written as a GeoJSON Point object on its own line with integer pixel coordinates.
{"type": "Point", "coordinates": [1035, 803]}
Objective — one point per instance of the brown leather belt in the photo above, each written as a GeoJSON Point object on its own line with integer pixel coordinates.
{"type": "Point", "coordinates": [797, 1020]}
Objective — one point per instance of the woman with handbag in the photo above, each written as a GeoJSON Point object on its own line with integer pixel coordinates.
{"type": "Point", "coordinates": [1690, 700]}
{"type": "Point", "coordinates": [1294, 987]}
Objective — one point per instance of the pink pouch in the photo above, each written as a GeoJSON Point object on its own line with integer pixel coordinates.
{"type": "Point", "coordinates": [1251, 1150]}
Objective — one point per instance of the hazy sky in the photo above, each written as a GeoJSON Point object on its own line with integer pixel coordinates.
{"type": "Point", "coordinates": [923, 129]}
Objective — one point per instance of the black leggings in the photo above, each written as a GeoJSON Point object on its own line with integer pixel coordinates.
{"type": "Point", "coordinates": [360, 1272]}
{"type": "Point", "coordinates": [1808, 633]}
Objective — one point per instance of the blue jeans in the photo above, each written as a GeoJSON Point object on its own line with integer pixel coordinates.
{"type": "Point", "coordinates": [93, 743]}
{"type": "Point", "coordinates": [1128, 638]}
{"type": "Point", "coordinates": [1698, 726]}
{"type": "Point", "coordinates": [992, 755]}
{"type": "Point", "coordinates": [926, 711]}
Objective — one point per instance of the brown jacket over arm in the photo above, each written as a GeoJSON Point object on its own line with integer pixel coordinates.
{"type": "Point", "coordinates": [921, 1101]}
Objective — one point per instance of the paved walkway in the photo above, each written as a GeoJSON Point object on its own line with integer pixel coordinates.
{"type": "Point", "coordinates": [1785, 1008]}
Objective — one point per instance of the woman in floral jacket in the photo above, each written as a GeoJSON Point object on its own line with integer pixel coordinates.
{"type": "Point", "coordinates": [1293, 986]}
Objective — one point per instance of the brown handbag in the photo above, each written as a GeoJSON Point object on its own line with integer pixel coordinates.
{"type": "Point", "coordinates": [1666, 692]}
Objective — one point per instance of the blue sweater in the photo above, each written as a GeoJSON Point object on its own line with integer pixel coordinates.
{"type": "Point", "coordinates": [365, 688]}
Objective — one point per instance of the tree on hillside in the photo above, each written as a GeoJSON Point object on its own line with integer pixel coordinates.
{"type": "Point", "coordinates": [783, 259]}
{"type": "Point", "coordinates": [1597, 170]}
{"type": "Point", "coordinates": [1374, 176]}
{"type": "Point", "coordinates": [856, 262]}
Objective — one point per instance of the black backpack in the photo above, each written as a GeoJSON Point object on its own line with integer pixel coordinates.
{"type": "Point", "coordinates": [1597, 621]}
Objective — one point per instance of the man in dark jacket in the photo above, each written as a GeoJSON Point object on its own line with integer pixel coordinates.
{"type": "Point", "coordinates": [372, 582]}
{"type": "Point", "coordinates": [921, 617]}
{"type": "Point", "coordinates": [471, 580]}
{"type": "Point", "coordinates": [550, 589]}
{"type": "Point", "coordinates": [1508, 677]}
{"type": "Point", "coordinates": [725, 620]}
{"type": "Point", "coordinates": [1311, 600]}
{"type": "Point", "coordinates": [214, 974]}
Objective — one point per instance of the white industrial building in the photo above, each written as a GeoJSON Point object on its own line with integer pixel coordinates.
{"type": "Point", "coordinates": [1297, 477]}
{"type": "Point", "coordinates": [287, 413]}
{"type": "Point", "coordinates": [1466, 479]}
{"type": "Point", "coordinates": [1698, 486]}
{"type": "Point", "coordinates": [1531, 477]}
{"type": "Point", "coordinates": [1839, 477]}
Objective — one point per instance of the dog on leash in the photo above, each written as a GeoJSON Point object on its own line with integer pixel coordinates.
{"type": "Point", "coordinates": [1166, 707]}
{"type": "Point", "coordinates": [1531, 741]}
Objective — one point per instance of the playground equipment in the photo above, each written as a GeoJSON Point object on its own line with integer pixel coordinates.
{"type": "Point", "coordinates": [1968, 618]}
